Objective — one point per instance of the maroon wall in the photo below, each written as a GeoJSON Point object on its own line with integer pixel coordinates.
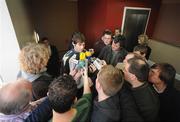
{"type": "Point", "coordinates": [96, 15]}
{"type": "Point", "coordinates": [168, 24]}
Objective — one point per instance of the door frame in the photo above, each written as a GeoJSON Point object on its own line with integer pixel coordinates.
{"type": "Point", "coordinates": [134, 8]}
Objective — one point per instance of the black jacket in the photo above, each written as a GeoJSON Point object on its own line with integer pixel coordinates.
{"type": "Point", "coordinates": [106, 54]}
{"type": "Point", "coordinates": [98, 46]}
{"type": "Point", "coordinates": [43, 113]}
{"type": "Point", "coordinates": [40, 86]}
{"type": "Point", "coordinates": [53, 65]}
{"type": "Point", "coordinates": [170, 105]}
{"type": "Point", "coordinates": [147, 102]}
{"type": "Point", "coordinates": [148, 52]}
{"type": "Point", "coordinates": [71, 54]}
{"type": "Point", "coordinates": [119, 108]}
{"type": "Point", "coordinates": [129, 110]}
{"type": "Point", "coordinates": [107, 110]}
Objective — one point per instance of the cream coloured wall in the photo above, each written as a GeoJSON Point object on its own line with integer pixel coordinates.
{"type": "Point", "coordinates": [166, 39]}
{"type": "Point", "coordinates": [22, 21]}
{"type": "Point", "coordinates": [162, 52]}
{"type": "Point", "coordinates": [9, 48]}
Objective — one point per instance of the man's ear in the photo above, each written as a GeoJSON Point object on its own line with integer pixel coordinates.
{"type": "Point", "coordinates": [98, 85]}
{"type": "Point", "coordinates": [102, 38]}
{"type": "Point", "coordinates": [144, 55]}
{"type": "Point", "coordinates": [75, 99]}
{"type": "Point", "coordinates": [133, 77]}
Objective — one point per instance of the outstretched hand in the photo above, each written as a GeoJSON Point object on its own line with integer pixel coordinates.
{"type": "Point", "coordinates": [92, 68]}
{"type": "Point", "coordinates": [76, 74]}
{"type": "Point", "coordinates": [103, 62]}
{"type": "Point", "coordinates": [86, 78]}
{"type": "Point", "coordinates": [84, 72]}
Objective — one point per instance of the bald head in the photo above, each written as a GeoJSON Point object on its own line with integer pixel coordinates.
{"type": "Point", "coordinates": [15, 96]}
{"type": "Point", "coordinates": [139, 67]}
{"type": "Point", "coordinates": [131, 55]}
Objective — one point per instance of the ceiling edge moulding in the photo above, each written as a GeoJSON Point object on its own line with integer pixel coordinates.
{"type": "Point", "coordinates": [170, 1]}
{"type": "Point", "coordinates": [72, 0]}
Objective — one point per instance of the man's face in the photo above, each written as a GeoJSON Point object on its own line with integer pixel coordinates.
{"type": "Point", "coordinates": [154, 76]}
{"type": "Point", "coordinates": [140, 40]}
{"type": "Point", "coordinates": [107, 39]}
{"type": "Point", "coordinates": [117, 32]}
{"type": "Point", "coordinates": [127, 74]}
{"type": "Point", "coordinates": [115, 46]}
{"type": "Point", "coordinates": [79, 47]}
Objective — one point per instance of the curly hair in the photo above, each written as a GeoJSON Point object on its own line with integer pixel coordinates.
{"type": "Point", "coordinates": [33, 58]}
{"type": "Point", "coordinates": [143, 38]}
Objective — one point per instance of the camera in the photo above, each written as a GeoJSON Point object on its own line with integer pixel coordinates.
{"type": "Point", "coordinates": [98, 63]}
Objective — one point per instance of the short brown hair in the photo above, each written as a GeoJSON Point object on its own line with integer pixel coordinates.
{"type": "Point", "coordinates": [167, 73]}
{"type": "Point", "coordinates": [111, 79]}
{"type": "Point", "coordinates": [62, 92]}
{"type": "Point", "coordinates": [107, 32]}
{"type": "Point", "coordinates": [141, 48]}
{"type": "Point", "coordinates": [78, 37]}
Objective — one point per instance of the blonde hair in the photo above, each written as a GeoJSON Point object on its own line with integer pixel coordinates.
{"type": "Point", "coordinates": [143, 39]}
{"type": "Point", "coordinates": [34, 58]}
{"type": "Point", "coordinates": [111, 79]}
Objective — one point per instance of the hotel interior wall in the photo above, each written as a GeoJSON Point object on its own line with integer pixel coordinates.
{"type": "Point", "coordinates": [9, 47]}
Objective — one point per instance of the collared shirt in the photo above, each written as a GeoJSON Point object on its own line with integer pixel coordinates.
{"type": "Point", "coordinates": [14, 118]}
{"type": "Point", "coordinates": [28, 76]}
{"type": "Point", "coordinates": [17, 117]}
